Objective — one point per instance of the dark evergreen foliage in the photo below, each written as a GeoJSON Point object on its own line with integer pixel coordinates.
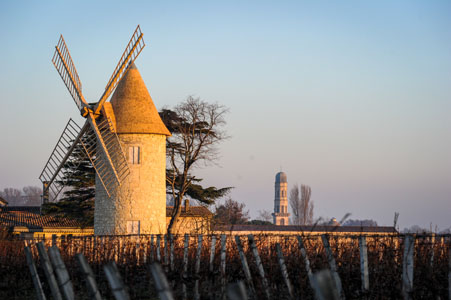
{"type": "Point", "coordinates": [78, 200]}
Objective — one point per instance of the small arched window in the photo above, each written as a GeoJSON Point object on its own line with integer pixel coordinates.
{"type": "Point", "coordinates": [282, 222]}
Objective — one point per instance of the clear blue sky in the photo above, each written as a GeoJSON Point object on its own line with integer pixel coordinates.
{"type": "Point", "coordinates": [350, 97]}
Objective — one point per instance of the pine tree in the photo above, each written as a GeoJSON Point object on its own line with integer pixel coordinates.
{"type": "Point", "coordinates": [78, 199]}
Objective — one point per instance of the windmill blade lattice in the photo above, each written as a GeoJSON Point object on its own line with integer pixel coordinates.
{"type": "Point", "coordinates": [63, 156]}
{"type": "Point", "coordinates": [105, 171]}
{"type": "Point", "coordinates": [66, 68]}
{"type": "Point", "coordinates": [97, 137]}
{"type": "Point", "coordinates": [133, 49]}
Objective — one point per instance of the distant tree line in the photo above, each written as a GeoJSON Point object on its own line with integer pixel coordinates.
{"type": "Point", "coordinates": [27, 196]}
{"type": "Point", "coordinates": [364, 222]}
{"type": "Point", "coordinates": [232, 212]}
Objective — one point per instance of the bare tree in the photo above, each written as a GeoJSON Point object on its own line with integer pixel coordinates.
{"type": "Point", "coordinates": [231, 212]}
{"type": "Point", "coordinates": [295, 203]}
{"type": "Point", "coordinates": [264, 215]}
{"type": "Point", "coordinates": [32, 195]}
{"type": "Point", "coordinates": [196, 128]}
{"type": "Point", "coordinates": [301, 205]}
{"type": "Point", "coordinates": [12, 195]}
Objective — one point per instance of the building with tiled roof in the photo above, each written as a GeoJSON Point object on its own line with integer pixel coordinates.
{"type": "Point", "coordinates": [192, 220]}
{"type": "Point", "coordinates": [3, 202]}
{"type": "Point", "coordinates": [28, 221]}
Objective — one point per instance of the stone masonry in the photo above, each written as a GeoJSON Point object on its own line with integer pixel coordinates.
{"type": "Point", "coordinates": [139, 205]}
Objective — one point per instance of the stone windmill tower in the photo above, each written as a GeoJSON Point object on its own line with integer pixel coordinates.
{"type": "Point", "coordinates": [125, 141]}
{"type": "Point", "coordinates": [281, 215]}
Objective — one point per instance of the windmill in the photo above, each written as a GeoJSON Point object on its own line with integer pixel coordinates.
{"type": "Point", "coordinates": [129, 118]}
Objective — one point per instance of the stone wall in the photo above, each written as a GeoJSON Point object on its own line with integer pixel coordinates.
{"type": "Point", "coordinates": [142, 197]}
{"type": "Point", "coordinates": [191, 225]}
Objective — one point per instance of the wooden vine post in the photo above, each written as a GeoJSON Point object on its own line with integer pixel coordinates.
{"type": "Point", "coordinates": [171, 240]}
{"type": "Point", "coordinates": [197, 268]}
{"type": "Point", "coordinates": [185, 266]}
{"type": "Point", "coordinates": [247, 272]}
{"type": "Point", "coordinates": [211, 267]}
{"type": "Point", "coordinates": [165, 253]}
{"type": "Point", "coordinates": [332, 265]}
{"type": "Point", "coordinates": [158, 248]}
{"type": "Point", "coordinates": [34, 274]}
{"type": "Point", "coordinates": [115, 281]}
{"type": "Point", "coordinates": [258, 261]}
{"type": "Point", "coordinates": [283, 269]}
{"type": "Point", "coordinates": [306, 262]}
{"type": "Point", "coordinates": [161, 282]}
{"type": "Point", "coordinates": [62, 275]}
{"type": "Point", "coordinates": [89, 277]}
{"type": "Point", "coordinates": [407, 267]}
{"type": "Point", "coordinates": [48, 270]}
{"type": "Point", "coordinates": [223, 265]}
{"type": "Point", "coordinates": [364, 264]}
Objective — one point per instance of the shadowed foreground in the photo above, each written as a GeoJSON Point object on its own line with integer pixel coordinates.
{"type": "Point", "coordinates": [134, 254]}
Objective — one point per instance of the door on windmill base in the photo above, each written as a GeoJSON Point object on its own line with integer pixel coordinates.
{"type": "Point", "coordinates": [133, 227]}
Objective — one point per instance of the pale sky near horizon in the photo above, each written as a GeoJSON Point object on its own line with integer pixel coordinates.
{"type": "Point", "coordinates": [350, 97]}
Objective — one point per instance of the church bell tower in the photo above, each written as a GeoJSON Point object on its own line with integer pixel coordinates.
{"type": "Point", "coordinates": [281, 215]}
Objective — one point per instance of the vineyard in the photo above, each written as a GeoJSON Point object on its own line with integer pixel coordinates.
{"type": "Point", "coordinates": [275, 267]}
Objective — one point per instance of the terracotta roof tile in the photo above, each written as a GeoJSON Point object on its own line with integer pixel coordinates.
{"type": "Point", "coordinates": [193, 211]}
{"type": "Point", "coordinates": [3, 202]}
{"type": "Point", "coordinates": [30, 217]}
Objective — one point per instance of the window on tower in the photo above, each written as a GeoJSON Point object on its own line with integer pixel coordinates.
{"type": "Point", "coordinates": [134, 155]}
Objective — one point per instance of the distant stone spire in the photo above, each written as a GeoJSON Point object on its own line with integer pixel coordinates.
{"type": "Point", "coordinates": [281, 215]}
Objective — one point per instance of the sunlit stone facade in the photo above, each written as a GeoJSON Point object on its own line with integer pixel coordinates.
{"type": "Point", "coordinates": [139, 206]}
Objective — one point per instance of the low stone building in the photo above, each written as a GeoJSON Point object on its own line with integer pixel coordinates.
{"type": "Point", "coordinates": [28, 222]}
{"type": "Point", "coordinates": [192, 220]}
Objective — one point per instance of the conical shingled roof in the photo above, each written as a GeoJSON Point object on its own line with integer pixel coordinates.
{"type": "Point", "coordinates": [133, 107]}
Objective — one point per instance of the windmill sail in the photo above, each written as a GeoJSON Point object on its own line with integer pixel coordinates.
{"type": "Point", "coordinates": [101, 142]}
{"type": "Point", "coordinates": [52, 176]}
{"type": "Point", "coordinates": [133, 49]}
{"type": "Point", "coordinates": [110, 176]}
{"type": "Point", "coordinates": [66, 68]}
